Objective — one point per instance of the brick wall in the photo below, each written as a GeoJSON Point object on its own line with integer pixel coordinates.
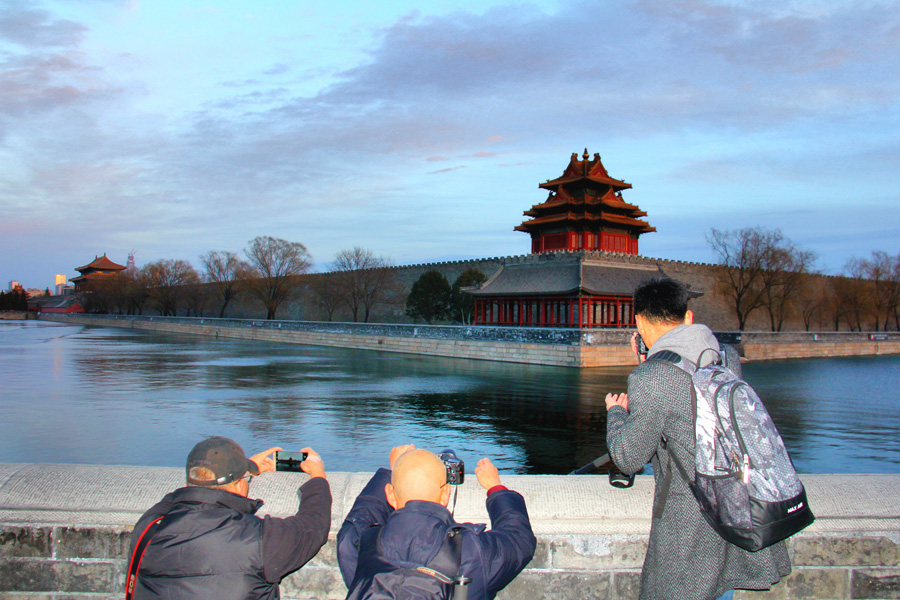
{"type": "Point", "coordinates": [89, 562]}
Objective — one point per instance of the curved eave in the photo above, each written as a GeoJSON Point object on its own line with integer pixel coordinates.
{"type": "Point", "coordinates": [586, 202]}
{"type": "Point", "coordinates": [555, 183]}
{"type": "Point", "coordinates": [576, 219]}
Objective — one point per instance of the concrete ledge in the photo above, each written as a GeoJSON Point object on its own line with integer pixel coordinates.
{"type": "Point", "coordinates": [65, 529]}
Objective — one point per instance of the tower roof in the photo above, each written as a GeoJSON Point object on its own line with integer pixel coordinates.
{"type": "Point", "coordinates": [590, 169]}
{"type": "Point", "coordinates": [585, 198]}
{"type": "Point", "coordinates": [101, 263]}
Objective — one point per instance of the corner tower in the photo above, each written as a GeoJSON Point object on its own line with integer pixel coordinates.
{"type": "Point", "coordinates": [585, 211]}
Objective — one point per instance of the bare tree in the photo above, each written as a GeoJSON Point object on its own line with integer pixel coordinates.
{"type": "Point", "coordinates": [138, 292]}
{"type": "Point", "coordinates": [785, 267]}
{"type": "Point", "coordinates": [168, 283]}
{"type": "Point", "coordinates": [324, 289]}
{"type": "Point", "coordinates": [878, 289]}
{"type": "Point", "coordinates": [814, 301]}
{"type": "Point", "coordinates": [276, 265]}
{"type": "Point", "coordinates": [740, 254]}
{"type": "Point", "coordinates": [761, 268]}
{"type": "Point", "coordinates": [363, 280]}
{"type": "Point", "coordinates": [227, 274]}
{"type": "Point", "coordinates": [196, 298]}
{"type": "Point", "coordinates": [895, 297]}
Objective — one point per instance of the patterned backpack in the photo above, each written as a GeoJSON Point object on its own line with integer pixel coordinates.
{"type": "Point", "coordinates": [744, 480]}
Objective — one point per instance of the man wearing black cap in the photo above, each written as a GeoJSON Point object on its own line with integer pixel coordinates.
{"type": "Point", "coordinates": [204, 540]}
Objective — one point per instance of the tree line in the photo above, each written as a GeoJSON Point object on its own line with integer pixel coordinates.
{"type": "Point", "coordinates": [763, 270]}
{"type": "Point", "coordinates": [15, 299]}
{"type": "Point", "coordinates": [272, 271]}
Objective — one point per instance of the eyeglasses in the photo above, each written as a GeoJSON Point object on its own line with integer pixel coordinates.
{"type": "Point", "coordinates": [248, 477]}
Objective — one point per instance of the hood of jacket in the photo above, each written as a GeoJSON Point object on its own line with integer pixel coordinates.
{"type": "Point", "coordinates": [692, 342]}
{"type": "Point", "coordinates": [413, 535]}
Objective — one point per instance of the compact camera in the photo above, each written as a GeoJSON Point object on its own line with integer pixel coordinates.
{"type": "Point", "coordinates": [456, 468]}
{"type": "Point", "coordinates": [289, 461]}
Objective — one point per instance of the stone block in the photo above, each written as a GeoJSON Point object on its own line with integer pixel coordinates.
{"type": "Point", "coordinates": [327, 555]}
{"type": "Point", "coordinates": [875, 583]}
{"type": "Point", "coordinates": [313, 583]}
{"type": "Point", "coordinates": [597, 552]}
{"type": "Point", "coordinates": [832, 551]}
{"type": "Point", "coordinates": [25, 541]}
{"type": "Point", "coordinates": [815, 584]}
{"type": "Point", "coordinates": [627, 585]}
{"type": "Point", "coordinates": [558, 585]}
{"type": "Point", "coordinates": [778, 592]}
{"type": "Point", "coordinates": [92, 542]}
{"type": "Point", "coordinates": [541, 558]}
{"type": "Point", "coordinates": [30, 575]}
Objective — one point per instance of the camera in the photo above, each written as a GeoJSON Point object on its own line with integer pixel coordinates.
{"type": "Point", "coordinates": [456, 468]}
{"type": "Point", "coordinates": [289, 461]}
{"type": "Point", "coordinates": [641, 346]}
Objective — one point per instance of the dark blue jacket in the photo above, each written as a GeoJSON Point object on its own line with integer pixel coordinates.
{"type": "Point", "coordinates": [211, 545]}
{"type": "Point", "coordinates": [413, 536]}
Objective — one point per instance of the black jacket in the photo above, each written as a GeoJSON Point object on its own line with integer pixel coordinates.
{"type": "Point", "coordinates": [413, 536]}
{"type": "Point", "coordinates": [210, 544]}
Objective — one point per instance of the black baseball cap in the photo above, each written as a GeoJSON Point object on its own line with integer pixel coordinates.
{"type": "Point", "coordinates": [224, 457]}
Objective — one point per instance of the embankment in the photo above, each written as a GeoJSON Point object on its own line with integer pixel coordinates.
{"type": "Point", "coordinates": [533, 345]}
{"type": "Point", "coordinates": [65, 532]}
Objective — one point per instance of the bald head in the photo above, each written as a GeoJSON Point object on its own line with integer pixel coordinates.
{"type": "Point", "coordinates": [418, 475]}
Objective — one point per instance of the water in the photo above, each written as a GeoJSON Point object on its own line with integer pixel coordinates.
{"type": "Point", "coordinates": [74, 394]}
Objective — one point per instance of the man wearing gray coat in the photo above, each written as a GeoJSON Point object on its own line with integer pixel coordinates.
{"type": "Point", "coordinates": [686, 558]}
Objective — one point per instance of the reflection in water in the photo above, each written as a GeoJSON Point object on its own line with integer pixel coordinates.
{"type": "Point", "coordinates": [117, 396]}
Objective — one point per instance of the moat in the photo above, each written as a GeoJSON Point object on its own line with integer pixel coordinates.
{"type": "Point", "coordinates": [75, 394]}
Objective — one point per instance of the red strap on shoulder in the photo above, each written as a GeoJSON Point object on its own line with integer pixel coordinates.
{"type": "Point", "coordinates": [139, 550]}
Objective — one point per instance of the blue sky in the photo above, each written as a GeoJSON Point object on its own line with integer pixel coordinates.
{"type": "Point", "coordinates": [421, 130]}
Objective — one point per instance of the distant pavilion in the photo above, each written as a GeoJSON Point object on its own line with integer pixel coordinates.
{"type": "Point", "coordinates": [99, 268]}
{"type": "Point", "coordinates": [571, 279]}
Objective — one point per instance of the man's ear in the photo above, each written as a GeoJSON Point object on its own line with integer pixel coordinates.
{"type": "Point", "coordinates": [445, 495]}
{"type": "Point", "coordinates": [391, 496]}
{"type": "Point", "coordinates": [689, 317]}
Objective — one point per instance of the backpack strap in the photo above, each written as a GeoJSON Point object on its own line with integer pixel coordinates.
{"type": "Point", "coordinates": [135, 564]}
{"type": "Point", "coordinates": [688, 367]}
{"type": "Point", "coordinates": [445, 564]}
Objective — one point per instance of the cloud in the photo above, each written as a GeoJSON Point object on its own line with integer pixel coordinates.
{"type": "Point", "coordinates": [35, 28]}
{"type": "Point", "coordinates": [448, 170]}
{"type": "Point", "coordinates": [695, 96]}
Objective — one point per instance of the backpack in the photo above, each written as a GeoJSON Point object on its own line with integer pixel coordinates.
{"type": "Point", "coordinates": [378, 579]}
{"type": "Point", "coordinates": [744, 481]}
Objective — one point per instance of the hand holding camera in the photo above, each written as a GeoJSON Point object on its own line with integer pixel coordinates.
{"type": "Point", "coordinates": [303, 461]}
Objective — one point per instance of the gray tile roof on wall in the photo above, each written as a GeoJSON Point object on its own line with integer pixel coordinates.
{"type": "Point", "coordinates": [565, 277]}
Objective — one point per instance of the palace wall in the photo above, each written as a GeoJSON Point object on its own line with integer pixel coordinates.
{"type": "Point", "coordinates": [65, 532]}
{"type": "Point", "coordinates": [711, 308]}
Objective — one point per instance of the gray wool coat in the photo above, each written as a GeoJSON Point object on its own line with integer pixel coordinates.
{"type": "Point", "coordinates": [686, 559]}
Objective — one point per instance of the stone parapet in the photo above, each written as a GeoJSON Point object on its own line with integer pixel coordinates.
{"type": "Point", "coordinates": [65, 531]}
{"type": "Point", "coordinates": [560, 347]}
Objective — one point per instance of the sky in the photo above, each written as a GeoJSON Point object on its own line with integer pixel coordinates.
{"type": "Point", "coordinates": [420, 131]}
